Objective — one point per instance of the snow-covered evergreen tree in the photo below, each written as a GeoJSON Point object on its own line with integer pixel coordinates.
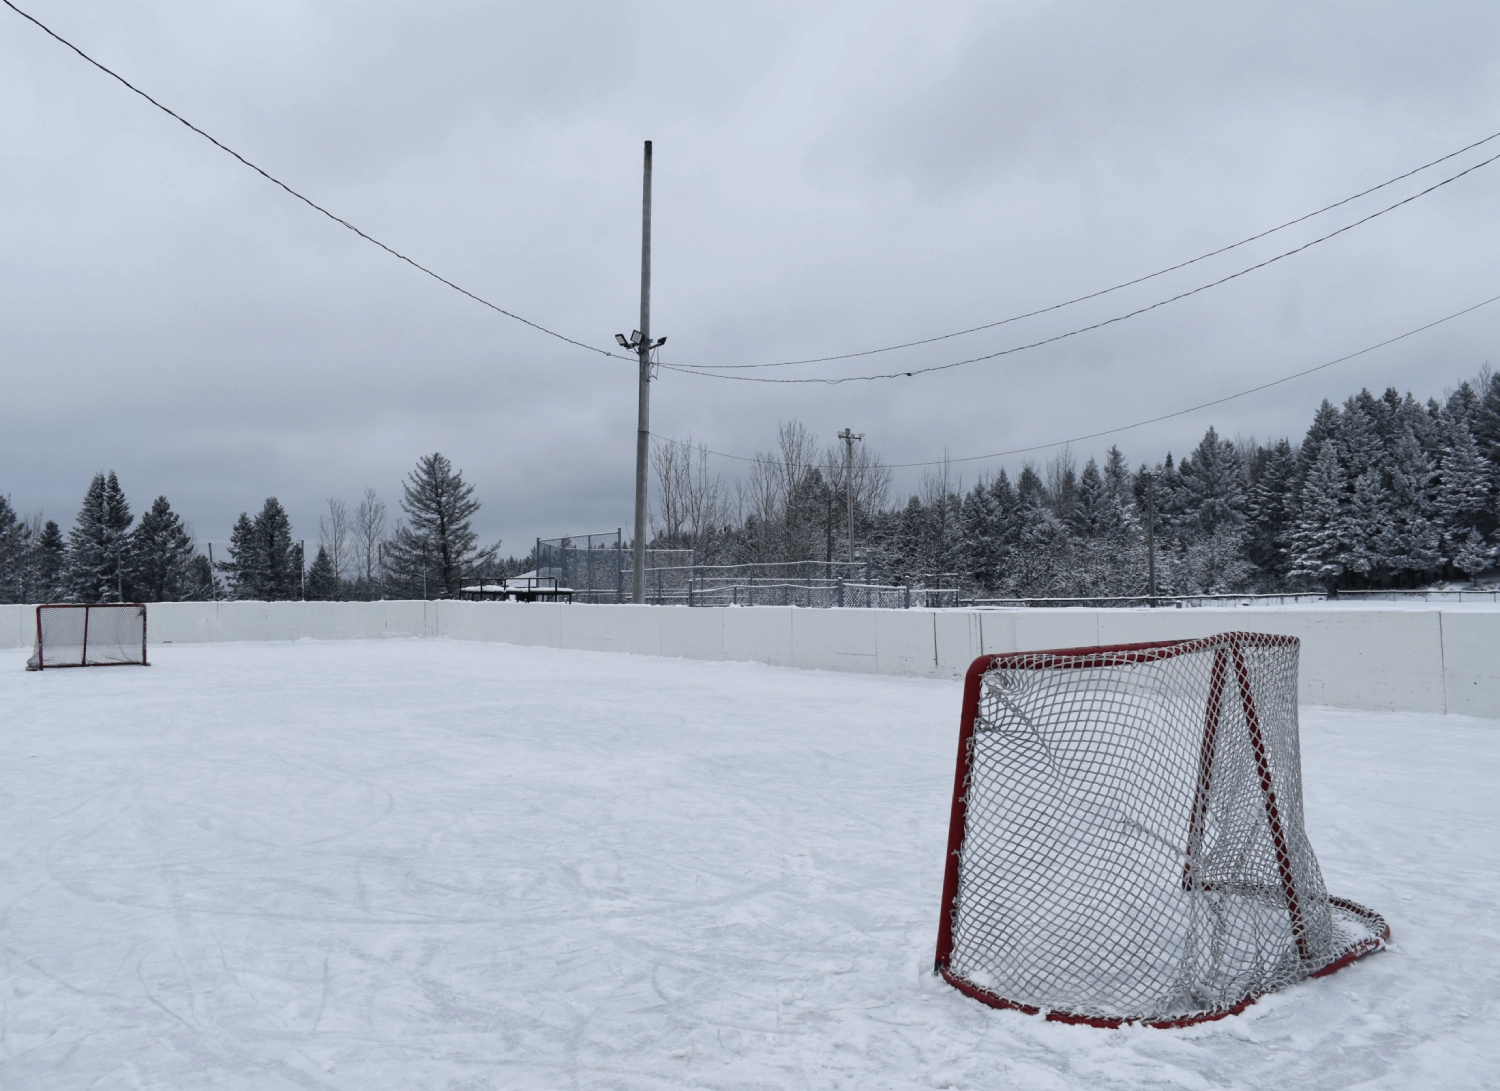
{"type": "Point", "coordinates": [1474, 555]}
{"type": "Point", "coordinates": [14, 549]}
{"type": "Point", "coordinates": [1364, 515]}
{"type": "Point", "coordinates": [1409, 541]}
{"type": "Point", "coordinates": [1213, 485]}
{"type": "Point", "coordinates": [49, 564]}
{"type": "Point", "coordinates": [1317, 543]}
{"type": "Point", "coordinates": [1272, 510]}
{"type": "Point", "coordinates": [161, 555]}
{"type": "Point", "coordinates": [1463, 500]}
{"type": "Point", "coordinates": [99, 544]}
{"type": "Point", "coordinates": [281, 555]}
{"type": "Point", "coordinates": [244, 567]}
{"type": "Point", "coordinates": [322, 581]}
{"type": "Point", "coordinates": [202, 582]}
{"type": "Point", "coordinates": [437, 541]}
{"type": "Point", "coordinates": [1090, 515]}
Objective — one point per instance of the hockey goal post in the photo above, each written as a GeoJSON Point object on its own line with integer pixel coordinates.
{"type": "Point", "coordinates": [1126, 842]}
{"type": "Point", "coordinates": [89, 635]}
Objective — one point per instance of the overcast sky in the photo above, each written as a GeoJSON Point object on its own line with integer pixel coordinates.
{"type": "Point", "coordinates": [829, 178]}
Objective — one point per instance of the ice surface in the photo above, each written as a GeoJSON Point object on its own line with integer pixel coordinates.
{"type": "Point", "coordinates": [440, 864]}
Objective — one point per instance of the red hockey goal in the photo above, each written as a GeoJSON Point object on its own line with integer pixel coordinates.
{"type": "Point", "coordinates": [92, 635]}
{"type": "Point", "coordinates": [1126, 841]}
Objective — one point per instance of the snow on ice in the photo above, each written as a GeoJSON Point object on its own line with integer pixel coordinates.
{"type": "Point", "coordinates": [437, 864]}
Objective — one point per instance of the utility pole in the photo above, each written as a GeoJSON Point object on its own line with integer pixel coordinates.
{"type": "Point", "coordinates": [1151, 538]}
{"type": "Point", "coordinates": [849, 437]}
{"type": "Point", "coordinates": [640, 342]}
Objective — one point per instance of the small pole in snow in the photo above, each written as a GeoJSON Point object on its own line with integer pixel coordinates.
{"type": "Point", "coordinates": [1151, 538]}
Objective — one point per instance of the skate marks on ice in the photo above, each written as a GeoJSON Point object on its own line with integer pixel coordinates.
{"type": "Point", "coordinates": [439, 864]}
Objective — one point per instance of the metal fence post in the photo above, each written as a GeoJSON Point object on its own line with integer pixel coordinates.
{"type": "Point", "coordinates": [868, 577]}
{"type": "Point", "coordinates": [752, 589]}
{"type": "Point", "coordinates": [906, 594]}
{"type": "Point", "coordinates": [840, 596]}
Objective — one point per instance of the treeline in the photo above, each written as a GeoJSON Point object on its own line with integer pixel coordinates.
{"type": "Point", "coordinates": [1382, 492]}
{"type": "Point", "coordinates": [107, 556]}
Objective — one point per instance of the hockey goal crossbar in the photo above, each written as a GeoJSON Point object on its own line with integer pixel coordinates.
{"type": "Point", "coordinates": [1062, 728]}
{"type": "Point", "coordinates": [89, 635]}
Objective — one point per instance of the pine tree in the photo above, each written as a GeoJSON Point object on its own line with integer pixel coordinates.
{"type": "Point", "coordinates": [1090, 516]}
{"type": "Point", "coordinates": [1358, 436]}
{"type": "Point", "coordinates": [322, 582]}
{"type": "Point", "coordinates": [1325, 426]}
{"type": "Point", "coordinates": [1463, 499]}
{"type": "Point", "coordinates": [1474, 556]}
{"type": "Point", "coordinates": [436, 541]}
{"type": "Point", "coordinates": [1317, 546]}
{"type": "Point", "coordinates": [1485, 424]}
{"type": "Point", "coordinates": [979, 551]}
{"type": "Point", "coordinates": [49, 564]}
{"type": "Point", "coordinates": [1213, 485]}
{"type": "Point", "coordinates": [1272, 506]}
{"type": "Point", "coordinates": [1363, 518]}
{"type": "Point", "coordinates": [161, 554]}
{"type": "Point", "coordinates": [280, 557]}
{"type": "Point", "coordinates": [98, 544]}
{"type": "Point", "coordinates": [202, 583]}
{"type": "Point", "coordinates": [13, 554]}
{"type": "Point", "coordinates": [1116, 515]}
{"type": "Point", "coordinates": [1409, 542]}
{"type": "Point", "coordinates": [245, 565]}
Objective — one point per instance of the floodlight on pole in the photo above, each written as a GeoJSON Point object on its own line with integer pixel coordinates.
{"type": "Point", "coordinates": [640, 343]}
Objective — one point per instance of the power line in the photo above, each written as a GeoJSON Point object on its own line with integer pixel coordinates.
{"type": "Point", "coordinates": [1116, 287]}
{"type": "Point", "coordinates": [304, 199]}
{"type": "Point", "coordinates": [702, 370]}
{"type": "Point", "coordinates": [709, 370]}
{"type": "Point", "coordinates": [1139, 423]}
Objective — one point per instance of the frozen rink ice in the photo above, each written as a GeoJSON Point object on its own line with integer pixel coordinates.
{"type": "Point", "coordinates": [439, 864]}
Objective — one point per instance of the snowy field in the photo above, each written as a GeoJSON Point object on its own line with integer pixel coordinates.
{"type": "Point", "coordinates": [438, 864]}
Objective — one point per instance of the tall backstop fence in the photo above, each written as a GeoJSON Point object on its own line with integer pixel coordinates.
{"type": "Point", "coordinates": [596, 568]}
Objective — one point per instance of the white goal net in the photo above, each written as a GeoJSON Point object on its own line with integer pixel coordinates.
{"type": "Point", "coordinates": [1127, 839]}
{"type": "Point", "coordinates": [100, 635]}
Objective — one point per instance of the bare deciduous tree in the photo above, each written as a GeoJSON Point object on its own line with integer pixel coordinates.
{"type": "Point", "coordinates": [334, 537]}
{"type": "Point", "coordinates": [369, 533]}
{"type": "Point", "coordinates": [691, 506]}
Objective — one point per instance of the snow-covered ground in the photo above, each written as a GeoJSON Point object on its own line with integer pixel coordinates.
{"type": "Point", "coordinates": [440, 864]}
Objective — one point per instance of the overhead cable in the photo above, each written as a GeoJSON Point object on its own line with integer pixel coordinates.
{"type": "Point", "coordinates": [701, 371]}
{"type": "Point", "coordinates": [1139, 423]}
{"type": "Point", "coordinates": [304, 199]}
{"type": "Point", "coordinates": [1115, 287]}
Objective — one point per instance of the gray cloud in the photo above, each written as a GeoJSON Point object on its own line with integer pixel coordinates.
{"type": "Point", "coordinates": [829, 178]}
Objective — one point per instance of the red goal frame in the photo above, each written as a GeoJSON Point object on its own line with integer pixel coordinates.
{"type": "Point", "coordinates": [1228, 654]}
{"type": "Point", "coordinates": [41, 649]}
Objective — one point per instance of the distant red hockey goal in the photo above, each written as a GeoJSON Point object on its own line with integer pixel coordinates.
{"type": "Point", "coordinates": [1127, 842]}
{"type": "Point", "coordinates": [93, 635]}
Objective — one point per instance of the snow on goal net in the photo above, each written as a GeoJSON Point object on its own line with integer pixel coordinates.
{"type": "Point", "coordinates": [1127, 841]}
{"type": "Point", "coordinates": [89, 636]}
